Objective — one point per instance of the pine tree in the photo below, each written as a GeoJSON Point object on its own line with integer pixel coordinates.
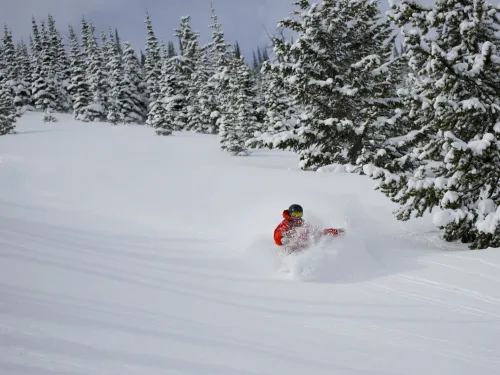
{"type": "Point", "coordinates": [180, 80]}
{"type": "Point", "coordinates": [58, 60]}
{"type": "Point", "coordinates": [259, 57]}
{"type": "Point", "coordinates": [44, 89]}
{"type": "Point", "coordinates": [231, 137]}
{"type": "Point", "coordinates": [450, 163]}
{"type": "Point", "coordinates": [78, 87]}
{"type": "Point", "coordinates": [13, 74]}
{"type": "Point", "coordinates": [2, 58]}
{"type": "Point", "coordinates": [255, 63]}
{"type": "Point", "coordinates": [238, 122]}
{"type": "Point", "coordinates": [35, 41]}
{"type": "Point", "coordinates": [203, 95]}
{"type": "Point", "coordinates": [258, 99]}
{"type": "Point", "coordinates": [117, 94]}
{"type": "Point", "coordinates": [134, 100]}
{"type": "Point", "coordinates": [95, 75]}
{"type": "Point", "coordinates": [118, 42]}
{"type": "Point", "coordinates": [35, 67]}
{"type": "Point", "coordinates": [200, 95]}
{"type": "Point", "coordinates": [157, 112]}
{"type": "Point", "coordinates": [237, 50]}
{"type": "Point", "coordinates": [338, 71]}
{"type": "Point", "coordinates": [152, 61]}
{"type": "Point", "coordinates": [142, 58]}
{"type": "Point", "coordinates": [280, 116]}
{"type": "Point", "coordinates": [173, 94]}
{"type": "Point", "coordinates": [23, 60]}
{"type": "Point", "coordinates": [217, 87]}
{"type": "Point", "coordinates": [9, 57]}
{"type": "Point", "coordinates": [7, 109]}
{"type": "Point", "coordinates": [126, 102]}
{"type": "Point", "coordinates": [247, 103]}
{"type": "Point", "coordinates": [171, 49]}
{"type": "Point", "coordinates": [265, 56]}
{"type": "Point", "coordinates": [109, 52]}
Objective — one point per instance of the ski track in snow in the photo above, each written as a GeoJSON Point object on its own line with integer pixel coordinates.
{"type": "Point", "coordinates": [126, 253]}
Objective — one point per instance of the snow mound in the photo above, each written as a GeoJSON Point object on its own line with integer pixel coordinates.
{"type": "Point", "coordinates": [332, 260]}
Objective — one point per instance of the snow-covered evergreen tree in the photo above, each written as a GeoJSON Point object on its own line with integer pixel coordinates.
{"type": "Point", "coordinates": [231, 136]}
{"type": "Point", "coordinates": [280, 108]}
{"type": "Point", "coordinates": [117, 94]}
{"type": "Point", "coordinates": [171, 49]}
{"type": "Point", "coordinates": [23, 59]}
{"type": "Point", "coordinates": [247, 104]}
{"type": "Point", "coordinates": [142, 59]}
{"type": "Point", "coordinates": [280, 111]}
{"type": "Point", "coordinates": [337, 71]}
{"type": "Point", "coordinates": [44, 91]}
{"type": "Point", "coordinates": [152, 61]}
{"type": "Point", "coordinates": [134, 99]}
{"type": "Point", "coordinates": [2, 59]}
{"type": "Point", "coordinates": [259, 59]}
{"type": "Point", "coordinates": [35, 52]}
{"type": "Point", "coordinates": [258, 101]}
{"type": "Point", "coordinates": [199, 95]}
{"type": "Point", "coordinates": [259, 78]}
{"type": "Point", "coordinates": [57, 58]}
{"type": "Point", "coordinates": [7, 109]}
{"type": "Point", "coordinates": [109, 51]}
{"type": "Point", "coordinates": [180, 80]}
{"type": "Point", "coordinates": [204, 109]}
{"type": "Point", "coordinates": [126, 103]}
{"type": "Point", "coordinates": [172, 94]}
{"type": "Point", "coordinates": [95, 75]}
{"type": "Point", "coordinates": [11, 66]}
{"type": "Point", "coordinates": [13, 73]}
{"type": "Point", "coordinates": [157, 116]}
{"type": "Point", "coordinates": [449, 165]}
{"type": "Point", "coordinates": [238, 121]}
{"type": "Point", "coordinates": [78, 87]}
{"type": "Point", "coordinates": [204, 89]}
{"type": "Point", "coordinates": [237, 50]}
{"type": "Point", "coordinates": [218, 84]}
{"type": "Point", "coordinates": [118, 42]}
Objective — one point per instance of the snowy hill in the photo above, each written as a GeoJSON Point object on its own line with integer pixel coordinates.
{"type": "Point", "coordinates": [126, 253]}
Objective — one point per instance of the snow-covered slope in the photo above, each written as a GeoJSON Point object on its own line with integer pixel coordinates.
{"type": "Point", "coordinates": [126, 253]}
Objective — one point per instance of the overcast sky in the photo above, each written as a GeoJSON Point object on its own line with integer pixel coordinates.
{"type": "Point", "coordinates": [243, 20]}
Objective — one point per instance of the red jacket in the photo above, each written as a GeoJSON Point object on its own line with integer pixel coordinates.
{"type": "Point", "coordinates": [290, 223]}
{"type": "Point", "coordinates": [286, 225]}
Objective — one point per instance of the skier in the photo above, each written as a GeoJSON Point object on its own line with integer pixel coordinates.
{"type": "Point", "coordinates": [286, 231]}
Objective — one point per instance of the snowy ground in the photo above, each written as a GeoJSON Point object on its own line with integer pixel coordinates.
{"type": "Point", "coordinates": [126, 253]}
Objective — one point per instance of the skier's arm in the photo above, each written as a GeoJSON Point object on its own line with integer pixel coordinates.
{"type": "Point", "coordinates": [280, 234]}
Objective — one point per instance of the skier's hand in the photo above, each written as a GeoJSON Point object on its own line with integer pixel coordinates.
{"type": "Point", "coordinates": [330, 232]}
{"type": "Point", "coordinates": [334, 231]}
{"type": "Point", "coordinates": [287, 237]}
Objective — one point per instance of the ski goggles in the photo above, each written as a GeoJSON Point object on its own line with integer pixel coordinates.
{"type": "Point", "coordinates": [296, 214]}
